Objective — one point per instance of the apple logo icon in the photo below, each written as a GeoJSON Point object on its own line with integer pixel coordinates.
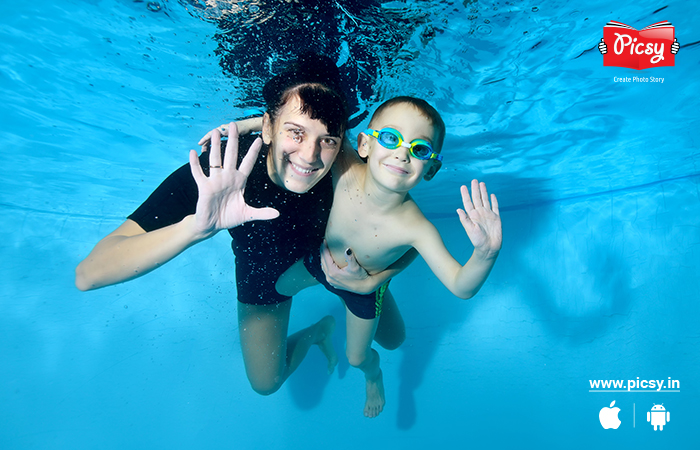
{"type": "Point", "coordinates": [608, 417]}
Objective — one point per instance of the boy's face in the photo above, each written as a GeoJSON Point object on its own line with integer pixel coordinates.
{"type": "Point", "coordinates": [301, 149]}
{"type": "Point", "coordinates": [396, 169]}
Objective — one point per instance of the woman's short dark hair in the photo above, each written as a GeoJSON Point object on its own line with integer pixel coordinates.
{"type": "Point", "coordinates": [315, 80]}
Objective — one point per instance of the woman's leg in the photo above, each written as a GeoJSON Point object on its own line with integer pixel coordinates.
{"type": "Point", "coordinates": [269, 355]}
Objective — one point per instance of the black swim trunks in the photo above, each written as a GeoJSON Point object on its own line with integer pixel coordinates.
{"type": "Point", "coordinates": [364, 306]}
{"type": "Point", "coordinates": [264, 249]}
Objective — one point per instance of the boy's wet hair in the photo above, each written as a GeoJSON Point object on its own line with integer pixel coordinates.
{"type": "Point", "coordinates": [425, 109]}
{"type": "Point", "coordinates": [315, 81]}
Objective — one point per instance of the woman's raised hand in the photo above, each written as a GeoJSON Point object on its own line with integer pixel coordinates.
{"type": "Point", "coordinates": [221, 205]}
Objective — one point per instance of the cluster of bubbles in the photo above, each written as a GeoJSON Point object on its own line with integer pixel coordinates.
{"type": "Point", "coordinates": [367, 39]}
{"type": "Point", "coordinates": [151, 6]}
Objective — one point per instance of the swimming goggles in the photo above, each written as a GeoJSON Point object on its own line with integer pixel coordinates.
{"type": "Point", "coordinates": [391, 139]}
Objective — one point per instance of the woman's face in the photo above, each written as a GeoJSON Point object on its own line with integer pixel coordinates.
{"type": "Point", "coordinates": [301, 149]}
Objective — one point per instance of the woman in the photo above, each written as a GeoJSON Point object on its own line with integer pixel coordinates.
{"type": "Point", "coordinates": [275, 205]}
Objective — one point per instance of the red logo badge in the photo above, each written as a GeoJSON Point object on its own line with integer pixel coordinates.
{"type": "Point", "coordinates": [653, 46]}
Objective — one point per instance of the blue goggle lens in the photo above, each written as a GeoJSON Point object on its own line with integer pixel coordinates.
{"type": "Point", "coordinates": [391, 139]}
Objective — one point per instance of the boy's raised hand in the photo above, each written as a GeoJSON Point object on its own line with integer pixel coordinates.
{"type": "Point", "coordinates": [220, 204]}
{"type": "Point", "coordinates": [481, 219]}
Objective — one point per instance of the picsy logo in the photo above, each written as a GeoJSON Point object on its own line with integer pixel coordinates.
{"type": "Point", "coordinates": [652, 46]}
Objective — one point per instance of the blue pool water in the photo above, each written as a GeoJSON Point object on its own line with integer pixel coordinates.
{"type": "Point", "coordinates": [598, 182]}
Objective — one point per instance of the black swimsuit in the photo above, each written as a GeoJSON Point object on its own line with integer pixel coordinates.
{"type": "Point", "coordinates": [264, 249]}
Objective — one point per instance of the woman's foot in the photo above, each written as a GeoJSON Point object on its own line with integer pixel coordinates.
{"type": "Point", "coordinates": [326, 326]}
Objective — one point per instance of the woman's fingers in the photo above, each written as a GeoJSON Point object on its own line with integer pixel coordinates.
{"type": "Point", "coordinates": [215, 153]}
{"type": "Point", "coordinates": [231, 156]}
{"type": "Point", "coordinates": [250, 157]}
{"type": "Point", "coordinates": [196, 168]}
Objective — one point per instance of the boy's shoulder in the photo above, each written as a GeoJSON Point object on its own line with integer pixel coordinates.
{"type": "Point", "coordinates": [411, 211]}
{"type": "Point", "coordinates": [347, 161]}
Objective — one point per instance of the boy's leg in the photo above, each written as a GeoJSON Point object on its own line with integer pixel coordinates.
{"type": "Point", "coordinates": [269, 356]}
{"type": "Point", "coordinates": [360, 353]}
{"type": "Point", "coordinates": [391, 331]}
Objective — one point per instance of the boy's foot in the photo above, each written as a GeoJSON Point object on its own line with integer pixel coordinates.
{"type": "Point", "coordinates": [325, 332]}
{"type": "Point", "coordinates": [375, 396]}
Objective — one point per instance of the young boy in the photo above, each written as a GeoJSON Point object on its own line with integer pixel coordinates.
{"type": "Point", "coordinates": [374, 215]}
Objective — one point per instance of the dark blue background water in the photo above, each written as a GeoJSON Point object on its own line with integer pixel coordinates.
{"type": "Point", "coordinates": [598, 183]}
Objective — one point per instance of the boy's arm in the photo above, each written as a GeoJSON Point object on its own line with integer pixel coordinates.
{"type": "Point", "coordinates": [482, 222]}
{"type": "Point", "coordinates": [244, 126]}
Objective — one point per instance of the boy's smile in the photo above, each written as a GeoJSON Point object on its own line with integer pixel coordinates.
{"type": "Point", "coordinates": [396, 169]}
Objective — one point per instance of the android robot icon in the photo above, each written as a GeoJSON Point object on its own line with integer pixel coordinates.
{"type": "Point", "coordinates": [658, 416]}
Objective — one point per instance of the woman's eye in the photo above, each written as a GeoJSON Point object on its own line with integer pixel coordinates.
{"type": "Point", "coordinates": [329, 142]}
{"type": "Point", "coordinates": [296, 135]}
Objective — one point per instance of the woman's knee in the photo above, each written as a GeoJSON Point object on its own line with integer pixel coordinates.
{"type": "Point", "coordinates": [393, 340]}
{"type": "Point", "coordinates": [265, 385]}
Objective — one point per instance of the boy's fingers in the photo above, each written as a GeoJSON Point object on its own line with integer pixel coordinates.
{"type": "Point", "coordinates": [205, 139]}
{"type": "Point", "coordinates": [484, 194]}
{"type": "Point", "coordinates": [462, 214]}
{"type": "Point", "coordinates": [465, 198]}
{"type": "Point", "coordinates": [476, 194]}
{"type": "Point", "coordinates": [494, 204]}
{"type": "Point", "coordinates": [465, 220]}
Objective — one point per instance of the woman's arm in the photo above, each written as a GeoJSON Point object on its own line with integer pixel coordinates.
{"type": "Point", "coordinates": [354, 278]}
{"type": "Point", "coordinates": [130, 251]}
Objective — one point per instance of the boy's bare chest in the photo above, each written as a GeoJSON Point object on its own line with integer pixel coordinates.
{"type": "Point", "coordinates": [377, 239]}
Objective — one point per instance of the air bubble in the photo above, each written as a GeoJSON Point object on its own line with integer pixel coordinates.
{"type": "Point", "coordinates": [535, 9]}
{"type": "Point", "coordinates": [153, 6]}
